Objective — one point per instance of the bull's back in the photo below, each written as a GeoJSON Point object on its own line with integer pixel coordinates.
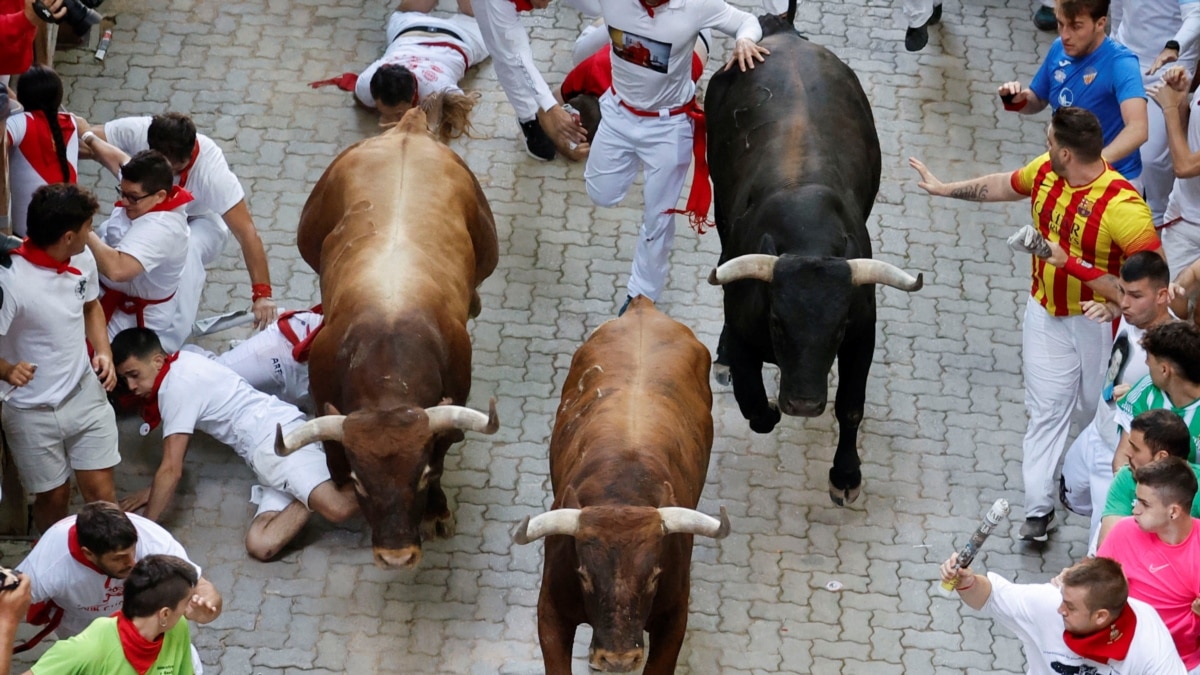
{"type": "Point", "coordinates": [637, 392]}
{"type": "Point", "coordinates": [800, 117]}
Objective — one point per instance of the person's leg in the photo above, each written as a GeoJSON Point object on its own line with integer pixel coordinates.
{"type": "Point", "coordinates": [334, 504]}
{"type": "Point", "coordinates": [665, 146]}
{"type": "Point", "coordinates": [917, 12]}
{"type": "Point", "coordinates": [612, 164]}
{"type": "Point", "coordinates": [1158, 174]}
{"type": "Point", "coordinates": [91, 445]}
{"type": "Point", "coordinates": [424, 6]}
{"type": "Point", "coordinates": [35, 441]}
{"type": "Point", "coordinates": [259, 360]}
{"type": "Point", "coordinates": [1076, 483]}
{"type": "Point", "coordinates": [1181, 244]}
{"type": "Point", "coordinates": [279, 519]}
{"type": "Point", "coordinates": [96, 485]}
{"type": "Point", "coordinates": [507, 41]}
{"type": "Point", "coordinates": [51, 506]}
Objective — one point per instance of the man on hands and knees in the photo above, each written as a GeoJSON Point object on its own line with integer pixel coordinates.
{"type": "Point", "coordinates": [56, 418]}
{"type": "Point", "coordinates": [1088, 622]}
{"type": "Point", "coordinates": [184, 392]}
{"type": "Point", "coordinates": [79, 567]}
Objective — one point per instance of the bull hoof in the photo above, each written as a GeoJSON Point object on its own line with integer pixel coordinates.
{"type": "Point", "coordinates": [439, 527]}
{"type": "Point", "coordinates": [842, 497]}
{"type": "Point", "coordinates": [765, 424]}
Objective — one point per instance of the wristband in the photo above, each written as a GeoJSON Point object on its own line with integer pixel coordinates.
{"type": "Point", "coordinates": [969, 586]}
{"type": "Point", "coordinates": [1080, 270]}
{"type": "Point", "coordinates": [87, 135]}
{"type": "Point", "coordinates": [1172, 44]}
{"type": "Point", "coordinates": [1009, 105]}
{"type": "Point", "coordinates": [259, 291]}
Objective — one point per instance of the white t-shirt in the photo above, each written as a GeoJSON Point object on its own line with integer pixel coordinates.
{"type": "Point", "coordinates": [1185, 195]}
{"type": "Point", "coordinates": [41, 321]}
{"type": "Point", "coordinates": [198, 393]}
{"type": "Point", "coordinates": [438, 68]}
{"type": "Point", "coordinates": [83, 593]}
{"type": "Point", "coordinates": [33, 161]}
{"type": "Point", "coordinates": [210, 181]}
{"type": "Point", "coordinates": [1031, 611]}
{"type": "Point", "coordinates": [652, 57]}
{"type": "Point", "coordinates": [158, 240]}
{"type": "Point", "coordinates": [1146, 25]}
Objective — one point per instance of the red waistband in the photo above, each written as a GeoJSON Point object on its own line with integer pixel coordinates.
{"type": "Point", "coordinates": [113, 301]}
{"type": "Point", "coordinates": [691, 108]}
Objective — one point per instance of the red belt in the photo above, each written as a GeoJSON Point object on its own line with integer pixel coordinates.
{"type": "Point", "coordinates": [461, 52]}
{"type": "Point", "coordinates": [700, 197]}
{"type": "Point", "coordinates": [113, 301]}
{"type": "Point", "coordinates": [300, 348]}
{"type": "Point", "coordinates": [1169, 223]}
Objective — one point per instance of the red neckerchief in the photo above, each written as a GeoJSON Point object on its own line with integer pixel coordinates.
{"type": "Point", "coordinates": [1106, 644]}
{"type": "Point", "coordinates": [523, 5]}
{"type": "Point", "coordinates": [77, 552]}
{"type": "Point", "coordinates": [648, 8]}
{"type": "Point", "coordinates": [150, 412]}
{"type": "Point", "coordinates": [183, 175]}
{"type": "Point", "coordinates": [139, 652]}
{"type": "Point", "coordinates": [176, 197]}
{"type": "Point", "coordinates": [300, 348]}
{"type": "Point", "coordinates": [38, 256]}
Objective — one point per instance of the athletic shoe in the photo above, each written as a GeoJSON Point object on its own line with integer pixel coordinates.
{"type": "Point", "coordinates": [1038, 528]}
{"type": "Point", "coordinates": [936, 17]}
{"type": "Point", "coordinates": [916, 38]}
{"type": "Point", "coordinates": [628, 299]}
{"type": "Point", "coordinates": [537, 144]}
{"type": "Point", "coordinates": [1044, 19]}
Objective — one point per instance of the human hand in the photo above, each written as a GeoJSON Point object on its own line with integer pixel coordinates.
{"type": "Point", "coordinates": [745, 53]}
{"type": "Point", "coordinates": [928, 182]}
{"type": "Point", "coordinates": [136, 500]}
{"type": "Point", "coordinates": [265, 312]}
{"type": "Point", "coordinates": [1100, 312]}
{"type": "Point", "coordinates": [562, 127]}
{"type": "Point", "coordinates": [102, 365]}
{"type": "Point", "coordinates": [1057, 257]}
{"type": "Point", "coordinates": [1196, 606]}
{"type": "Point", "coordinates": [1057, 581]}
{"type": "Point", "coordinates": [56, 7]}
{"type": "Point", "coordinates": [952, 573]}
{"type": "Point", "coordinates": [20, 374]}
{"type": "Point", "coordinates": [1119, 391]}
{"type": "Point", "coordinates": [1166, 96]}
{"type": "Point", "coordinates": [1164, 57]}
{"type": "Point", "coordinates": [200, 609]}
{"type": "Point", "coordinates": [14, 602]}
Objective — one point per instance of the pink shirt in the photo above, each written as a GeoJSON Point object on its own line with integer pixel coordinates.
{"type": "Point", "coordinates": [1165, 577]}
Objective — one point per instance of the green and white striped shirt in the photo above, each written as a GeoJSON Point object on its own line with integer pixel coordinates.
{"type": "Point", "coordinates": [1145, 396]}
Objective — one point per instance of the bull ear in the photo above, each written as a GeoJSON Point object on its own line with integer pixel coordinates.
{"type": "Point", "coordinates": [767, 245]}
{"type": "Point", "coordinates": [330, 409]}
{"type": "Point", "coordinates": [668, 496]}
{"type": "Point", "coordinates": [570, 500]}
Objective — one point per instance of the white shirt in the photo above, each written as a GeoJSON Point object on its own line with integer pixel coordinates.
{"type": "Point", "coordinates": [158, 240]}
{"type": "Point", "coordinates": [41, 322]}
{"type": "Point", "coordinates": [83, 593]}
{"type": "Point", "coordinates": [1185, 195]}
{"type": "Point", "coordinates": [33, 161]}
{"type": "Point", "coordinates": [198, 393]}
{"type": "Point", "coordinates": [210, 180]}
{"type": "Point", "coordinates": [1146, 25]}
{"type": "Point", "coordinates": [652, 57]}
{"type": "Point", "coordinates": [1031, 611]}
{"type": "Point", "coordinates": [437, 68]}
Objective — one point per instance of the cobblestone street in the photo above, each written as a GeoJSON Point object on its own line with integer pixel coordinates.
{"type": "Point", "coordinates": [943, 425]}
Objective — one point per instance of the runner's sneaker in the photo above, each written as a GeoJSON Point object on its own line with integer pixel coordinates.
{"type": "Point", "coordinates": [537, 144]}
{"type": "Point", "coordinates": [1037, 528]}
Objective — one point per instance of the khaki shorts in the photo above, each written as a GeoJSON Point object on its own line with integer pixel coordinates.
{"type": "Point", "coordinates": [48, 443]}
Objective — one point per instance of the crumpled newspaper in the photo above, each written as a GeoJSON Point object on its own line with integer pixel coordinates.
{"type": "Point", "coordinates": [1029, 240]}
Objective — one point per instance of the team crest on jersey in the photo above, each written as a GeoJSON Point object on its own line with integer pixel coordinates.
{"type": "Point", "coordinates": [1089, 76]}
{"type": "Point", "coordinates": [1085, 207]}
{"type": "Point", "coordinates": [1060, 76]}
{"type": "Point", "coordinates": [81, 289]}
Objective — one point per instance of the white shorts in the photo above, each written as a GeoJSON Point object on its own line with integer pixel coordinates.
{"type": "Point", "coordinates": [298, 474]}
{"type": "Point", "coordinates": [48, 443]}
{"type": "Point", "coordinates": [265, 360]}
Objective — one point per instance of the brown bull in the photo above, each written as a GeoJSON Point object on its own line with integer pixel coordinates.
{"type": "Point", "coordinates": [627, 460]}
{"type": "Point", "coordinates": [401, 235]}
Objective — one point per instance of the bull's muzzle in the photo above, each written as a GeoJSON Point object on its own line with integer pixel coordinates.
{"type": "Point", "coordinates": [802, 407]}
{"type": "Point", "coordinates": [398, 558]}
{"type": "Point", "coordinates": [608, 661]}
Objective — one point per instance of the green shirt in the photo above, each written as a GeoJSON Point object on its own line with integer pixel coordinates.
{"type": "Point", "coordinates": [97, 651]}
{"type": "Point", "coordinates": [1145, 396]}
{"type": "Point", "coordinates": [1123, 491]}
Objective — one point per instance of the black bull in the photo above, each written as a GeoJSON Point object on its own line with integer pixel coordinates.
{"type": "Point", "coordinates": [795, 166]}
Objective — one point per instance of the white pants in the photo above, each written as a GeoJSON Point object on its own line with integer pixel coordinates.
{"type": "Point", "coordinates": [206, 242]}
{"type": "Point", "coordinates": [1087, 472]}
{"type": "Point", "coordinates": [512, 55]}
{"type": "Point", "coordinates": [1158, 174]}
{"type": "Point", "coordinates": [265, 361]}
{"type": "Point", "coordinates": [624, 143]}
{"type": "Point", "coordinates": [1063, 359]}
{"type": "Point", "coordinates": [1181, 244]}
{"type": "Point", "coordinates": [917, 12]}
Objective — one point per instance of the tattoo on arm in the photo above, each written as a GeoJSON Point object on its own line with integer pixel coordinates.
{"type": "Point", "coordinates": [974, 193]}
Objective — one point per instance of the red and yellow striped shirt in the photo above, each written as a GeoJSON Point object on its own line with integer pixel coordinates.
{"type": "Point", "coordinates": [1099, 224]}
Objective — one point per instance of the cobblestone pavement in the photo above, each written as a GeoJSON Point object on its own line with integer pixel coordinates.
{"type": "Point", "coordinates": [944, 418]}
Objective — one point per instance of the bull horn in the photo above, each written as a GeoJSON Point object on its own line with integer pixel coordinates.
{"type": "Point", "coordinates": [751, 266]}
{"type": "Point", "coordinates": [677, 520]}
{"type": "Point", "coordinates": [558, 521]}
{"type": "Point", "coordinates": [867, 271]}
{"type": "Point", "coordinates": [325, 428]}
{"type": "Point", "coordinates": [447, 417]}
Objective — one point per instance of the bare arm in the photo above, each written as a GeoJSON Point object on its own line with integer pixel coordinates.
{"type": "Point", "coordinates": [206, 603]}
{"type": "Point", "coordinates": [996, 187]}
{"type": "Point", "coordinates": [1135, 133]}
{"type": "Point", "coordinates": [114, 264]}
{"type": "Point", "coordinates": [96, 331]}
{"type": "Point", "coordinates": [1124, 450]}
{"type": "Point", "coordinates": [13, 605]}
{"type": "Point", "coordinates": [1172, 96]}
{"type": "Point", "coordinates": [974, 589]}
{"type": "Point", "coordinates": [166, 479]}
{"type": "Point", "coordinates": [242, 225]}
{"type": "Point", "coordinates": [1024, 100]}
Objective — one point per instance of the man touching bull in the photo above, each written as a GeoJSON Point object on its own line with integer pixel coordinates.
{"type": "Point", "coordinates": [1081, 203]}
{"type": "Point", "coordinates": [647, 118]}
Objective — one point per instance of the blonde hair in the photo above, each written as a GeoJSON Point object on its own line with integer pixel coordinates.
{"type": "Point", "coordinates": [449, 114]}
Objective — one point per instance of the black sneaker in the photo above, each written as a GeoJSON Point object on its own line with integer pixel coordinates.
{"type": "Point", "coordinates": [1044, 19]}
{"type": "Point", "coordinates": [916, 38]}
{"type": "Point", "coordinates": [537, 143]}
{"type": "Point", "coordinates": [936, 17]}
{"type": "Point", "coordinates": [1038, 528]}
{"type": "Point", "coordinates": [628, 299]}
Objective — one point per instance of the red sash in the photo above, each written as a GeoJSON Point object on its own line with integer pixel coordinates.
{"type": "Point", "coordinates": [114, 301]}
{"type": "Point", "coordinates": [700, 197]}
{"type": "Point", "coordinates": [39, 257]}
{"type": "Point", "coordinates": [300, 348]}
